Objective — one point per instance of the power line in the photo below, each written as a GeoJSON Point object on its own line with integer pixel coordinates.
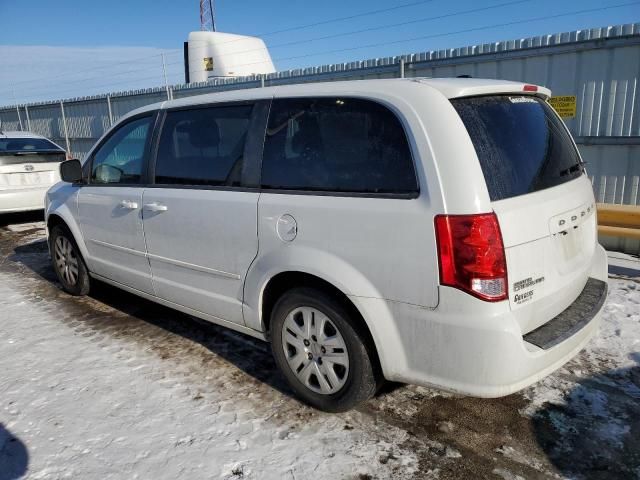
{"type": "Point", "coordinates": [457, 32]}
{"type": "Point", "coordinates": [353, 32]}
{"type": "Point", "coordinates": [124, 72]}
{"type": "Point", "coordinates": [376, 28]}
{"type": "Point", "coordinates": [400, 24]}
{"type": "Point", "coordinates": [274, 32]}
{"type": "Point", "coordinates": [326, 22]}
{"type": "Point", "coordinates": [422, 37]}
{"type": "Point", "coordinates": [109, 65]}
{"type": "Point", "coordinates": [340, 19]}
{"type": "Point", "coordinates": [110, 84]}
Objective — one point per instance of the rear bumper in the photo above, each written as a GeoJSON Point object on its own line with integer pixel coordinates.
{"type": "Point", "coordinates": [457, 348]}
{"type": "Point", "coordinates": [572, 319]}
{"type": "Point", "coordinates": [22, 200]}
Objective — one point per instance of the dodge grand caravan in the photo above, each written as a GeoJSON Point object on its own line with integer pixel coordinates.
{"type": "Point", "coordinates": [436, 232]}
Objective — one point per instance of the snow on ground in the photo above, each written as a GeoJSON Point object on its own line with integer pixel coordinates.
{"type": "Point", "coordinates": [90, 405]}
{"type": "Point", "coordinates": [112, 386]}
{"type": "Point", "coordinates": [593, 400]}
{"type": "Point", "coordinates": [615, 347]}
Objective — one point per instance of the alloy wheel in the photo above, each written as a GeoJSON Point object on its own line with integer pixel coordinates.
{"type": "Point", "coordinates": [66, 260]}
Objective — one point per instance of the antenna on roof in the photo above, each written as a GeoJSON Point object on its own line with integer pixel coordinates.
{"type": "Point", "coordinates": [207, 19]}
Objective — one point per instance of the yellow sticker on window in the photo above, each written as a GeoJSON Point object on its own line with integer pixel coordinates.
{"type": "Point", "coordinates": [565, 106]}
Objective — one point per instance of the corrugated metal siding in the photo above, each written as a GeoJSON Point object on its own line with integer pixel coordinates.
{"type": "Point", "coordinates": [87, 120]}
{"type": "Point", "coordinates": [123, 104]}
{"type": "Point", "coordinates": [614, 171]}
{"type": "Point", "coordinates": [47, 120]}
{"type": "Point", "coordinates": [615, 175]}
{"type": "Point", "coordinates": [9, 119]}
{"type": "Point", "coordinates": [600, 66]}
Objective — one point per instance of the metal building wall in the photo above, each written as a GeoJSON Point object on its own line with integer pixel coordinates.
{"type": "Point", "coordinates": [600, 66]}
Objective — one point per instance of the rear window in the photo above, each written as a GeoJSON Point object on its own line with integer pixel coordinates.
{"type": "Point", "coordinates": [27, 145]}
{"type": "Point", "coordinates": [336, 145]}
{"type": "Point", "coordinates": [29, 150]}
{"type": "Point", "coordinates": [521, 143]}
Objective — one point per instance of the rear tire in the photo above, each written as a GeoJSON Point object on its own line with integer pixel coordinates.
{"type": "Point", "coordinates": [321, 351]}
{"type": "Point", "coordinates": [67, 262]}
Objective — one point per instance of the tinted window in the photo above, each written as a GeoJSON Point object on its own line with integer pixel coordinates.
{"type": "Point", "coordinates": [29, 150]}
{"type": "Point", "coordinates": [204, 146]}
{"type": "Point", "coordinates": [521, 143]}
{"type": "Point", "coordinates": [25, 145]}
{"type": "Point", "coordinates": [120, 158]}
{"type": "Point", "coordinates": [336, 144]}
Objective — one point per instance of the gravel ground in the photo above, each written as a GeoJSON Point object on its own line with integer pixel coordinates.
{"type": "Point", "coordinates": [113, 386]}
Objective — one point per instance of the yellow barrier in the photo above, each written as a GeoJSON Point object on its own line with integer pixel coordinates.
{"type": "Point", "coordinates": [619, 220]}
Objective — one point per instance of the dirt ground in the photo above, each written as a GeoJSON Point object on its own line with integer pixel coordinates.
{"type": "Point", "coordinates": [114, 386]}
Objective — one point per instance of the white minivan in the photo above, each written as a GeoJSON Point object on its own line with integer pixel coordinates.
{"type": "Point", "coordinates": [436, 232]}
{"type": "Point", "coordinates": [29, 165]}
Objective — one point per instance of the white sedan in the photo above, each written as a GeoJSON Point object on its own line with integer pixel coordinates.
{"type": "Point", "coordinates": [29, 165]}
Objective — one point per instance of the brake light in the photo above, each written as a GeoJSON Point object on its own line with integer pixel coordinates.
{"type": "Point", "coordinates": [471, 255]}
{"type": "Point", "coordinates": [530, 88]}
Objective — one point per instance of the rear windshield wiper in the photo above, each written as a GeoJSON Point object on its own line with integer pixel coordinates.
{"type": "Point", "coordinates": [578, 166]}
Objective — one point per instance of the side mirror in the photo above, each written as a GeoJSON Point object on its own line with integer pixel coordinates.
{"type": "Point", "coordinates": [71, 171]}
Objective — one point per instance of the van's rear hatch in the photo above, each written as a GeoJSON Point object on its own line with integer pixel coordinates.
{"type": "Point", "coordinates": [541, 196]}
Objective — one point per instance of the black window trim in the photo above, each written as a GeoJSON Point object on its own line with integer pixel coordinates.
{"type": "Point", "coordinates": [339, 193]}
{"type": "Point", "coordinates": [153, 115]}
{"type": "Point", "coordinates": [252, 150]}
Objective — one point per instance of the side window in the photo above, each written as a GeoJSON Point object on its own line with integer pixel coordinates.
{"type": "Point", "coordinates": [337, 145]}
{"type": "Point", "coordinates": [121, 157]}
{"type": "Point", "coordinates": [203, 146]}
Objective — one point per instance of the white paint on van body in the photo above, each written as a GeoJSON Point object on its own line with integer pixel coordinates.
{"type": "Point", "coordinates": [381, 252]}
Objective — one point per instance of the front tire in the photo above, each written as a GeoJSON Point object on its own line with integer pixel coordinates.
{"type": "Point", "coordinates": [321, 351]}
{"type": "Point", "coordinates": [68, 262]}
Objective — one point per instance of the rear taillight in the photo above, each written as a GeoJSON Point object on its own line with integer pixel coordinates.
{"type": "Point", "coordinates": [530, 88]}
{"type": "Point", "coordinates": [471, 255]}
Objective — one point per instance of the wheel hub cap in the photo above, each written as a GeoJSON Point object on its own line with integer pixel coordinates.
{"type": "Point", "coordinates": [315, 350]}
{"type": "Point", "coordinates": [66, 260]}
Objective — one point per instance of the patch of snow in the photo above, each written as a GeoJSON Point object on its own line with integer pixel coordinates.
{"type": "Point", "coordinates": [23, 227]}
{"type": "Point", "coordinates": [506, 474]}
{"type": "Point", "coordinates": [520, 457]}
{"type": "Point", "coordinates": [90, 405]}
{"type": "Point", "coordinates": [589, 400]}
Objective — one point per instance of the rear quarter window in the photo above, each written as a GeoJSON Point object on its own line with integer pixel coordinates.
{"type": "Point", "coordinates": [521, 144]}
{"type": "Point", "coordinates": [336, 145]}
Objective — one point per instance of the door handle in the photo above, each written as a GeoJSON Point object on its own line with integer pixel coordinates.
{"type": "Point", "coordinates": [128, 204]}
{"type": "Point", "coordinates": [155, 207]}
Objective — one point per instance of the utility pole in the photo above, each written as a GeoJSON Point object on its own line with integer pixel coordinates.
{"type": "Point", "coordinates": [17, 110]}
{"type": "Point", "coordinates": [164, 73]}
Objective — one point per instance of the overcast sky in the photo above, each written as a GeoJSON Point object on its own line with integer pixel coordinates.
{"type": "Point", "coordinates": [68, 48]}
